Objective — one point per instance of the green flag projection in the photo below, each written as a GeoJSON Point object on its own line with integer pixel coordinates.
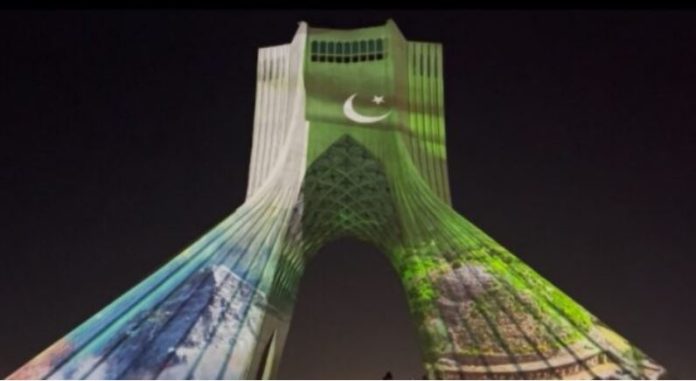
{"type": "Point", "coordinates": [348, 140]}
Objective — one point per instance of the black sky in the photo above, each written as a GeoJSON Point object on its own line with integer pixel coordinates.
{"type": "Point", "coordinates": [126, 135]}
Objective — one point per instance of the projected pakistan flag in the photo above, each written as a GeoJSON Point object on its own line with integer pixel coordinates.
{"type": "Point", "coordinates": [348, 140]}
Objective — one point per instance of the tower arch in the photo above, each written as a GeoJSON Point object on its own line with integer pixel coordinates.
{"type": "Point", "coordinates": [346, 141]}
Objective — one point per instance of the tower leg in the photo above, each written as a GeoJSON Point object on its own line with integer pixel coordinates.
{"type": "Point", "coordinates": [204, 314]}
{"type": "Point", "coordinates": [482, 313]}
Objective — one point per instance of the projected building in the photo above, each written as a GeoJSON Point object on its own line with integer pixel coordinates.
{"type": "Point", "coordinates": [348, 140]}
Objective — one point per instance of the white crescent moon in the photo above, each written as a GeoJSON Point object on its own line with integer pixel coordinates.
{"type": "Point", "coordinates": [353, 115]}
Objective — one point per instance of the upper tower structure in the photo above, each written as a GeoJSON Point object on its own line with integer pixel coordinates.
{"type": "Point", "coordinates": [348, 140]}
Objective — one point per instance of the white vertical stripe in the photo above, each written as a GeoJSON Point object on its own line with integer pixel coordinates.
{"type": "Point", "coordinates": [253, 166]}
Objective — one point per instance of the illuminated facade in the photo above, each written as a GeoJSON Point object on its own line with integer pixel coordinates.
{"type": "Point", "coordinates": [349, 140]}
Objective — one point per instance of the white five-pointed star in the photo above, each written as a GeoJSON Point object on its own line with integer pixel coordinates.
{"type": "Point", "coordinates": [378, 100]}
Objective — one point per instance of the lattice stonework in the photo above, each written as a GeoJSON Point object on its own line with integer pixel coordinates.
{"type": "Point", "coordinates": [348, 140]}
{"type": "Point", "coordinates": [346, 193]}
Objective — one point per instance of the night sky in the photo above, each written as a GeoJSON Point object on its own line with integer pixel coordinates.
{"type": "Point", "coordinates": [126, 135]}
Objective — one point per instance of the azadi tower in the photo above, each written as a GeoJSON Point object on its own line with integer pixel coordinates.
{"type": "Point", "coordinates": [348, 140]}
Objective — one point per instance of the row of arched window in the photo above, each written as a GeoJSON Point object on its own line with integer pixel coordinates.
{"type": "Point", "coordinates": [348, 51]}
